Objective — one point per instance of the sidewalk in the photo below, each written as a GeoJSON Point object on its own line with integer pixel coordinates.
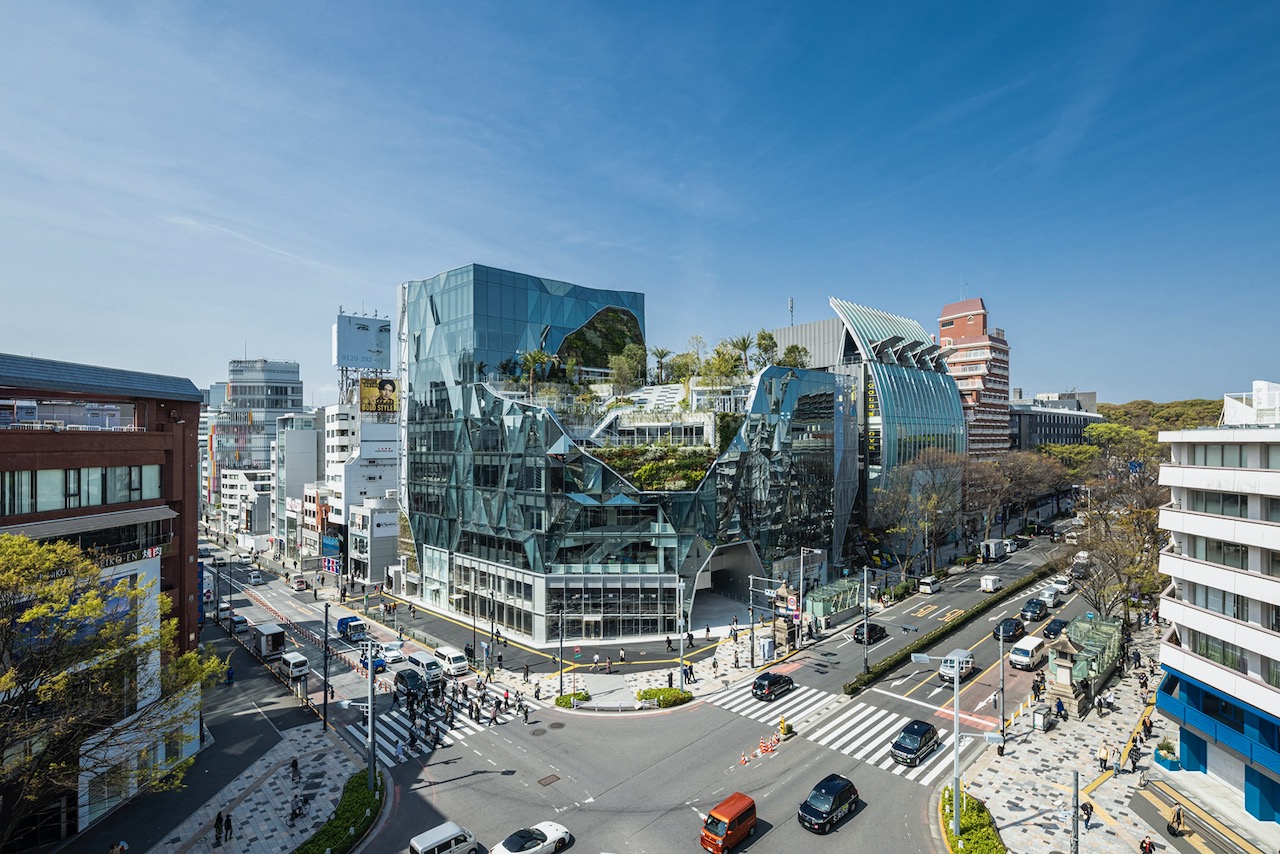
{"type": "Point", "coordinates": [259, 799]}
{"type": "Point", "coordinates": [1029, 789]}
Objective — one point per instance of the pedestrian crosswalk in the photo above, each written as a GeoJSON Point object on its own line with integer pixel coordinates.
{"type": "Point", "coordinates": [867, 732]}
{"type": "Point", "coordinates": [795, 705]}
{"type": "Point", "coordinates": [392, 730]}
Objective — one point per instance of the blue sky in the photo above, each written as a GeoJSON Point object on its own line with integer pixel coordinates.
{"type": "Point", "coordinates": [185, 183]}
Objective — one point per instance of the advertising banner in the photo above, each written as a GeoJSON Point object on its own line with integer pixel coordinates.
{"type": "Point", "coordinates": [379, 395]}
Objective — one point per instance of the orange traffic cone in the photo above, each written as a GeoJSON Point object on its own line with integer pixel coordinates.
{"type": "Point", "coordinates": [744, 759]}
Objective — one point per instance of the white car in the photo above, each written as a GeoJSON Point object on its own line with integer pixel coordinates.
{"type": "Point", "coordinates": [1063, 583]}
{"type": "Point", "coordinates": [544, 836]}
{"type": "Point", "coordinates": [393, 652]}
{"type": "Point", "coordinates": [245, 560]}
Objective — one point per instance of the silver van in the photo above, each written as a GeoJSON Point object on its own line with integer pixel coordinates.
{"type": "Point", "coordinates": [293, 664]}
{"type": "Point", "coordinates": [932, 584]}
{"type": "Point", "coordinates": [957, 659]}
{"type": "Point", "coordinates": [432, 669]}
{"type": "Point", "coordinates": [452, 660]}
{"type": "Point", "coordinates": [447, 838]}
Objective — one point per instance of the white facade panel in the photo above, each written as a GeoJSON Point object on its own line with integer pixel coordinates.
{"type": "Point", "coordinates": [1211, 479]}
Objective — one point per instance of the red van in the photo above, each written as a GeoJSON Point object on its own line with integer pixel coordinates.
{"type": "Point", "coordinates": [729, 823]}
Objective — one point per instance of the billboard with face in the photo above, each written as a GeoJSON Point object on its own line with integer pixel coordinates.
{"type": "Point", "coordinates": [362, 342]}
{"type": "Point", "coordinates": [379, 395]}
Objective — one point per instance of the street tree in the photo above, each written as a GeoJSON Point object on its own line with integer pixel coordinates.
{"type": "Point", "coordinates": [532, 361]}
{"type": "Point", "coordinates": [917, 507]}
{"type": "Point", "coordinates": [89, 672]}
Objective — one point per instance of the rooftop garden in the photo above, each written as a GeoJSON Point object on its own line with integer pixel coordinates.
{"type": "Point", "coordinates": [658, 468]}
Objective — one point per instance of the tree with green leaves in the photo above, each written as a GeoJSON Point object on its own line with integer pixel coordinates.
{"type": "Point", "coordinates": [742, 344]}
{"type": "Point", "coordinates": [766, 349]}
{"type": "Point", "coordinates": [660, 354]}
{"type": "Point", "coordinates": [795, 356]}
{"type": "Point", "coordinates": [722, 365]}
{"type": "Point", "coordinates": [91, 675]}
{"type": "Point", "coordinates": [531, 361]}
{"type": "Point", "coordinates": [629, 368]}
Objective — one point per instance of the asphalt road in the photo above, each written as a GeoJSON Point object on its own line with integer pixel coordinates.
{"type": "Point", "coordinates": [644, 782]}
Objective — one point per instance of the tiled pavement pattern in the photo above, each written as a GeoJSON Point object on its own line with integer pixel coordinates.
{"type": "Point", "coordinates": [258, 800]}
{"type": "Point", "coordinates": [1029, 789]}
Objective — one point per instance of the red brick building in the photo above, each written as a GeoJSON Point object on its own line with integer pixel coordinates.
{"type": "Point", "coordinates": [979, 362]}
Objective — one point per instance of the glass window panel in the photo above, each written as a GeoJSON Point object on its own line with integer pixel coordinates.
{"type": "Point", "coordinates": [151, 482]}
{"type": "Point", "coordinates": [50, 490]}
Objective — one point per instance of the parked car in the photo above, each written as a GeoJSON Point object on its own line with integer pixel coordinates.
{"type": "Point", "coordinates": [1054, 627]}
{"type": "Point", "coordinates": [770, 686]}
{"type": "Point", "coordinates": [831, 800]}
{"type": "Point", "coordinates": [544, 836]}
{"type": "Point", "coordinates": [1009, 630]}
{"type": "Point", "coordinates": [913, 745]}
{"type": "Point", "coordinates": [875, 631]}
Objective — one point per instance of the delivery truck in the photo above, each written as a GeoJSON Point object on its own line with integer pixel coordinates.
{"type": "Point", "coordinates": [268, 641]}
{"type": "Point", "coordinates": [352, 628]}
{"type": "Point", "coordinates": [993, 551]}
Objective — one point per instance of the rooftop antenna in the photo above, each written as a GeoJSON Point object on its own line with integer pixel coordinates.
{"type": "Point", "coordinates": [964, 291]}
{"type": "Point", "coordinates": [791, 307]}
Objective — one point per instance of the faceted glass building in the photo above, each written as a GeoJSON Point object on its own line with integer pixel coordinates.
{"type": "Point", "coordinates": [527, 519]}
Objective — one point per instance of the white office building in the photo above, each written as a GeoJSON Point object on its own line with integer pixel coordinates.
{"type": "Point", "coordinates": [1221, 653]}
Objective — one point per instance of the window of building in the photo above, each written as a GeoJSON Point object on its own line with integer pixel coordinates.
{"type": "Point", "coordinates": [1233, 555]}
{"type": "Point", "coordinates": [1222, 503]}
{"type": "Point", "coordinates": [1228, 456]}
{"type": "Point", "coordinates": [1224, 711]}
{"type": "Point", "coordinates": [1218, 650]}
{"type": "Point", "coordinates": [1273, 510]}
{"type": "Point", "coordinates": [1271, 672]}
{"type": "Point", "coordinates": [1218, 601]}
{"type": "Point", "coordinates": [1271, 456]}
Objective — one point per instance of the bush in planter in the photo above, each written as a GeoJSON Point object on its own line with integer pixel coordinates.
{"type": "Point", "coordinates": [666, 697]}
{"type": "Point", "coordinates": [566, 701]}
{"type": "Point", "coordinates": [334, 835]}
{"type": "Point", "coordinates": [967, 560]}
{"type": "Point", "coordinates": [978, 832]}
{"type": "Point", "coordinates": [1166, 747]}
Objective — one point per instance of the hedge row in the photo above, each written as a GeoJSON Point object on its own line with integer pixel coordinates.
{"type": "Point", "coordinates": [978, 834]}
{"type": "Point", "coordinates": [357, 808]}
{"type": "Point", "coordinates": [902, 656]}
{"type": "Point", "coordinates": [566, 701]}
{"type": "Point", "coordinates": [666, 697]}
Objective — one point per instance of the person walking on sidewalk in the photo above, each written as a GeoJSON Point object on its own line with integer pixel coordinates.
{"type": "Point", "coordinates": [622, 656]}
{"type": "Point", "coordinates": [1175, 820]}
{"type": "Point", "coordinates": [1086, 809]}
{"type": "Point", "coordinates": [293, 770]}
{"type": "Point", "coordinates": [226, 827]}
{"type": "Point", "coordinates": [526, 673]}
{"type": "Point", "coordinates": [1103, 754]}
{"type": "Point", "coordinates": [217, 828]}
{"type": "Point", "coordinates": [595, 662]}
{"type": "Point", "coordinates": [608, 664]}
{"type": "Point", "coordinates": [493, 714]}
{"type": "Point", "coordinates": [670, 648]}
{"type": "Point", "coordinates": [1146, 846]}
{"type": "Point", "coordinates": [1115, 760]}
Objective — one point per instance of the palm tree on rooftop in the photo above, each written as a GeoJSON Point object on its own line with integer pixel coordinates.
{"type": "Point", "coordinates": [659, 354]}
{"type": "Point", "coordinates": [531, 361]}
{"type": "Point", "coordinates": [742, 344]}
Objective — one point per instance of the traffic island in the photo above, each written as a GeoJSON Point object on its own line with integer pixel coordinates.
{"type": "Point", "coordinates": [978, 834]}
{"type": "Point", "coordinates": [357, 809]}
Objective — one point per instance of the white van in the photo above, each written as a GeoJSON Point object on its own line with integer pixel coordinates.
{"type": "Point", "coordinates": [1051, 596]}
{"type": "Point", "coordinates": [991, 584]}
{"type": "Point", "coordinates": [293, 664]}
{"type": "Point", "coordinates": [298, 581]}
{"type": "Point", "coordinates": [224, 609]}
{"type": "Point", "coordinates": [452, 660]}
{"type": "Point", "coordinates": [957, 659]}
{"type": "Point", "coordinates": [447, 838]}
{"type": "Point", "coordinates": [932, 584]}
{"type": "Point", "coordinates": [255, 577]}
{"type": "Point", "coordinates": [1028, 653]}
{"type": "Point", "coordinates": [430, 666]}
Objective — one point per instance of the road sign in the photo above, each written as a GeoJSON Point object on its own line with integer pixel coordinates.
{"type": "Point", "coordinates": [577, 652]}
{"type": "Point", "coordinates": [791, 603]}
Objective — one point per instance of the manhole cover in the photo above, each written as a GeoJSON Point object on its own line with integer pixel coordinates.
{"type": "Point", "coordinates": [539, 731]}
{"type": "Point", "coordinates": [547, 781]}
{"type": "Point", "coordinates": [556, 725]}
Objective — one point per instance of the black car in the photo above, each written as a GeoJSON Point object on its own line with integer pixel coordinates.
{"type": "Point", "coordinates": [831, 800]}
{"type": "Point", "coordinates": [410, 682]}
{"type": "Point", "coordinates": [1035, 609]}
{"type": "Point", "coordinates": [1054, 627]}
{"type": "Point", "coordinates": [1009, 630]}
{"type": "Point", "coordinates": [913, 745]}
{"type": "Point", "coordinates": [769, 686]}
{"type": "Point", "coordinates": [876, 632]}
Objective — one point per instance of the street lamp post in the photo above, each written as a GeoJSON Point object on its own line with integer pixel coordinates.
{"type": "Point", "coordinates": [562, 648]}
{"type": "Point", "coordinates": [680, 626]}
{"type": "Point", "coordinates": [866, 620]}
{"type": "Point", "coordinates": [992, 737]}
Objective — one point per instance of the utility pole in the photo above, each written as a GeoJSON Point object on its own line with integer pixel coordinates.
{"type": "Point", "coordinates": [866, 620]}
{"type": "Point", "coordinates": [955, 751]}
{"type": "Point", "coordinates": [372, 710]}
{"type": "Point", "coordinates": [325, 653]}
{"type": "Point", "coordinates": [1075, 812]}
{"type": "Point", "coordinates": [562, 648]}
{"type": "Point", "coordinates": [1000, 747]}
